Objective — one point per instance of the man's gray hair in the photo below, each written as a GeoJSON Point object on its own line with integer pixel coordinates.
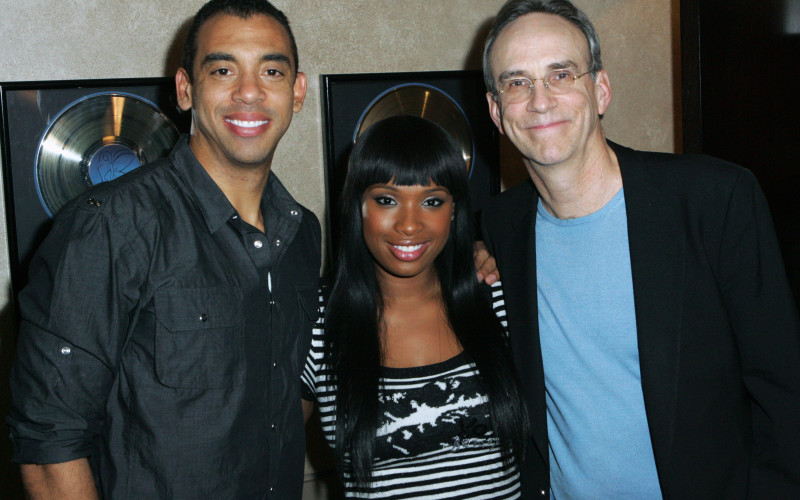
{"type": "Point", "coordinates": [514, 9]}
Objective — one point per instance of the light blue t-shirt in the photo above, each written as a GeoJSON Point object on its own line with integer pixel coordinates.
{"type": "Point", "coordinates": [599, 440]}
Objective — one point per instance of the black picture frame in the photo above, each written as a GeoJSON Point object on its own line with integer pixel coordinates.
{"type": "Point", "coordinates": [28, 109]}
{"type": "Point", "coordinates": [346, 97]}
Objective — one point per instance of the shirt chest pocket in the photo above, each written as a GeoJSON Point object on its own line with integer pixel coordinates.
{"type": "Point", "coordinates": [198, 338]}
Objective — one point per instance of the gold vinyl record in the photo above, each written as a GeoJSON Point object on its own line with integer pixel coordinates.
{"type": "Point", "coordinates": [424, 101]}
{"type": "Point", "coordinates": [96, 139]}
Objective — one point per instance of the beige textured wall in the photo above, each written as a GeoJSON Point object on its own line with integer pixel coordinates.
{"type": "Point", "coordinates": [79, 39]}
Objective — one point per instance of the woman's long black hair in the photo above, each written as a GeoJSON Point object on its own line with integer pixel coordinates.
{"type": "Point", "coordinates": [407, 151]}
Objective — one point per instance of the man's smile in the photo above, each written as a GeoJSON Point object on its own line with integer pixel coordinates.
{"type": "Point", "coordinates": [247, 124]}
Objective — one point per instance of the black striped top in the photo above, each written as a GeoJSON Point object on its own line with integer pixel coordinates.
{"type": "Point", "coordinates": [435, 437]}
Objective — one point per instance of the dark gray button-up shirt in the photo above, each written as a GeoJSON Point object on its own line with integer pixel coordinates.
{"type": "Point", "coordinates": [163, 338]}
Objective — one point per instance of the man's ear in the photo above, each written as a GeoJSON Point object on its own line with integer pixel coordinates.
{"type": "Point", "coordinates": [495, 112]}
{"type": "Point", "coordinates": [183, 89]}
{"type": "Point", "coordinates": [602, 91]}
{"type": "Point", "coordinates": [299, 91]}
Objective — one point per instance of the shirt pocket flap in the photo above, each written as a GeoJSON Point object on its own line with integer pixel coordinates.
{"type": "Point", "coordinates": [199, 338]}
{"type": "Point", "coordinates": [181, 310]}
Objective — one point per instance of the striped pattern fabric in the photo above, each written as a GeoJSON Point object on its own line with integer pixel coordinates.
{"type": "Point", "coordinates": [435, 437]}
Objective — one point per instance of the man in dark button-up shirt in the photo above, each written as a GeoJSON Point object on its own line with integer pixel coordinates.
{"type": "Point", "coordinates": [168, 312]}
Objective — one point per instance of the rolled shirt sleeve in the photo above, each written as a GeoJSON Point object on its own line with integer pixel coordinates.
{"type": "Point", "coordinates": [75, 313]}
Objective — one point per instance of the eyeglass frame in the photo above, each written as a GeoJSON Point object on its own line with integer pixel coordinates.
{"type": "Point", "coordinates": [532, 81]}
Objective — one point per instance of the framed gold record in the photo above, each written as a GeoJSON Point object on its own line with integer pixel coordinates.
{"type": "Point", "coordinates": [60, 138]}
{"type": "Point", "coordinates": [427, 102]}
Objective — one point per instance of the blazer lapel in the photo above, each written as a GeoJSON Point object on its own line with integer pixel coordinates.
{"type": "Point", "coordinates": [656, 240]}
{"type": "Point", "coordinates": [520, 291]}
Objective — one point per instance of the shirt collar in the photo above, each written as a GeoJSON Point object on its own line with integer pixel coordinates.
{"type": "Point", "coordinates": [214, 205]}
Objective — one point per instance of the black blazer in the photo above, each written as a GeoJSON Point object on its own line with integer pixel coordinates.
{"type": "Point", "coordinates": [718, 331]}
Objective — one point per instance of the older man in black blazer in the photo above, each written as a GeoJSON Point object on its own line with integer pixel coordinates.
{"type": "Point", "coordinates": [650, 317]}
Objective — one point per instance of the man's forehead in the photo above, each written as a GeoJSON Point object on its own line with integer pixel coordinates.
{"type": "Point", "coordinates": [547, 39]}
{"type": "Point", "coordinates": [232, 38]}
{"type": "Point", "coordinates": [257, 23]}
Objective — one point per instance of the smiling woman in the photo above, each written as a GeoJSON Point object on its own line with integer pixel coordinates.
{"type": "Point", "coordinates": [409, 364]}
{"type": "Point", "coordinates": [406, 227]}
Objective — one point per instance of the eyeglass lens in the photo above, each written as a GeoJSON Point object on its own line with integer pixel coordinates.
{"type": "Point", "coordinates": [519, 89]}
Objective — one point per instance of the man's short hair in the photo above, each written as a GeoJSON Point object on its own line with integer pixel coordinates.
{"type": "Point", "coordinates": [514, 9]}
{"type": "Point", "coordinates": [243, 9]}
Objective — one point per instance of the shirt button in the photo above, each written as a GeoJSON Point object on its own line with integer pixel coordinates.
{"type": "Point", "coordinates": [543, 492]}
{"type": "Point", "coordinates": [234, 217]}
{"type": "Point", "coordinates": [271, 489]}
{"type": "Point", "coordinates": [277, 243]}
{"type": "Point", "coordinates": [274, 364]}
{"type": "Point", "coordinates": [274, 426]}
{"type": "Point", "coordinates": [294, 212]}
{"type": "Point", "coordinates": [203, 317]}
{"type": "Point", "coordinates": [65, 350]}
{"type": "Point", "coordinates": [258, 243]}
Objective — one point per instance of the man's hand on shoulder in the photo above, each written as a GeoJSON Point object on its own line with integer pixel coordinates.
{"type": "Point", "coordinates": [485, 264]}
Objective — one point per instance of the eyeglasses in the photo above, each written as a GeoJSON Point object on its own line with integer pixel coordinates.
{"type": "Point", "coordinates": [557, 81]}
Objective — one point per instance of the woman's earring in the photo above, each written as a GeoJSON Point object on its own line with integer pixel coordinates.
{"type": "Point", "coordinates": [452, 217]}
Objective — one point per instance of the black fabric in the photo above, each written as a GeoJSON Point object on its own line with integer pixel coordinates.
{"type": "Point", "coordinates": [150, 340]}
